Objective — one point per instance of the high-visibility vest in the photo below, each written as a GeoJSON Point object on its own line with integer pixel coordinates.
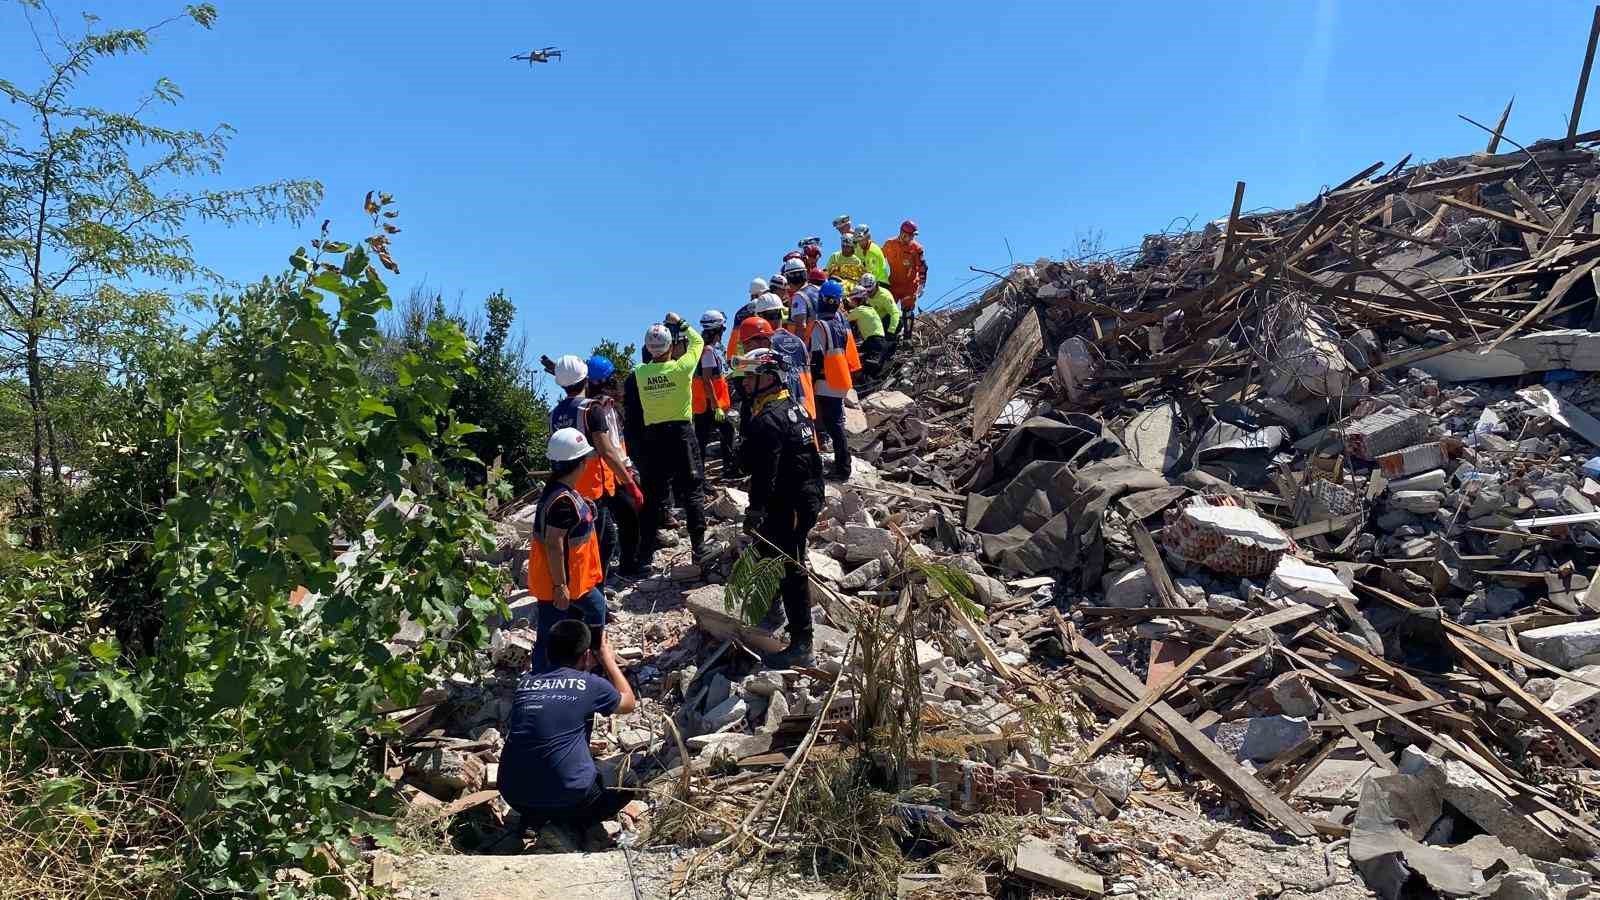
{"type": "Point", "coordinates": [582, 544]}
{"type": "Point", "coordinates": [719, 390]}
{"type": "Point", "coordinates": [597, 479]}
{"type": "Point", "coordinates": [836, 357]}
{"type": "Point", "coordinates": [850, 352]}
{"type": "Point", "coordinates": [719, 385]}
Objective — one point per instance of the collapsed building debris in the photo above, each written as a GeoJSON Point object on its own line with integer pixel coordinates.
{"type": "Point", "coordinates": [1297, 512]}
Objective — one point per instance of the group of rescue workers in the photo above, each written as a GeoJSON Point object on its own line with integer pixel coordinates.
{"type": "Point", "coordinates": [624, 451]}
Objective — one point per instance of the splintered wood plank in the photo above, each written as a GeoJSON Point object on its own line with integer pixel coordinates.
{"type": "Point", "coordinates": [1000, 383]}
{"type": "Point", "coordinates": [1229, 775]}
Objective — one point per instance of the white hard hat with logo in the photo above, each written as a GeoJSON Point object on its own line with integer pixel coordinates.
{"type": "Point", "coordinates": [569, 444]}
{"type": "Point", "coordinates": [571, 370]}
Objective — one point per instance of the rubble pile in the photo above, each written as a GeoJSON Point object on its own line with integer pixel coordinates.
{"type": "Point", "coordinates": [1283, 530]}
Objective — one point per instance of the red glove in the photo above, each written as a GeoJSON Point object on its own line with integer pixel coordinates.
{"type": "Point", "coordinates": [635, 496]}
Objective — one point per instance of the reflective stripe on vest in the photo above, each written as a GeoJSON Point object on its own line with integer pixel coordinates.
{"type": "Point", "coordinates": [583, 549]}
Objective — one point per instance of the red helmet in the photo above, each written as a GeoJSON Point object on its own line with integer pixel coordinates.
{"type": "Point", "coordinates": [754, 326]}
{"type": "Point", "coordinates": [908, 225]}
{"type": "Point", "coordinates": [793, 254]}
{"type": "Point", "coordinates": [816, 276]}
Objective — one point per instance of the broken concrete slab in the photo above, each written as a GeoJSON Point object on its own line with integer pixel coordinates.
{"type": "Point", "coordinates": [885, 405]}
{"type": "Point", "coordinates": [1568, 348]}
{"type": "Point", "coordinates": [864, 542]}
{"type": "Point", "coordinates": [1567, 646]}
{"type": "Point", "coordinates": [711, 614]}
{"type": "Point", "coordinates": [1154, 439]}
{"type": "Point", "coordinates": [1294, 581]}
{"type": "Point", "coordinates": [1038, 861]}
{"type": "Point", "coordinates": [1476, 798]}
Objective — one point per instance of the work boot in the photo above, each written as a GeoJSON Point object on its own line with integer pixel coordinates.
{"type": "Point", "coordinates": [555, 838]}
{"type": "Point", "coordinates": [798, 653]}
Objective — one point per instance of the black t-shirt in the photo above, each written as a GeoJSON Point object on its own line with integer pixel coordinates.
{"type": "Point", "coordinates": [562, 512]}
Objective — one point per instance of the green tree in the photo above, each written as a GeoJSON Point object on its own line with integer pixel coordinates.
{"type": "Point", "coordinates": [93, 207]}
{"type": "Point", "coordinates": [243, 741]}
{"type": "Point", "coordinates": [621, 356]}
{"type": "Point", "coordinates": [497, 390]}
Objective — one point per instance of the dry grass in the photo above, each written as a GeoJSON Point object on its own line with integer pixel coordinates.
{"type": "Point", "coordinates": [69, 835]}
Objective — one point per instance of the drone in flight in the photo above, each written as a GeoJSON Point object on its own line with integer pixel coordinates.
{"type": "Point", "coordinates": [540, 56]}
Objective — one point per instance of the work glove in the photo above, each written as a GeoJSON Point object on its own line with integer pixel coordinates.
{"type": "Point", "coordinates": [720, 416]}
{"type": "Point", "coordinates": [752, 520]}
{"type": "Point", "coordinates": [634, 495]}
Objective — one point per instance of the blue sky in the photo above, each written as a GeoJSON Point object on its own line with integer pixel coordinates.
{"type": "Point", "coordinates": [681, 148]}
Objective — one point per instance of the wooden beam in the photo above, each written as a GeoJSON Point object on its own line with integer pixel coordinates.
{"type": "Point", "coordinates": [1527, 701]}
{"type": "Point", "coordinates": [1154, 694]}
{"type": "Point", "coordinates": [1500, 129]}
{"type": "Point", "coordinates": [1569, 217]}
{"type": "Point", "coordinates": [1557, 291]}
{"type": "Point", "coordinates": [1583, 82]}
{"type": "Point", "coordinates": [1230, 776]}
{"type": "Point", "coordinates": [1226, 263]}
{"type": "Point", "coordinates": [1487, 213]}
{"type": "Point", "coordinates": [1530, 205]}
{"type": "Point", "coordinates": [1000, 383]}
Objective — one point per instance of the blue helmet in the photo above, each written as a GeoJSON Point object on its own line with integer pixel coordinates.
{"type": "Point", "coordinates": [832, 290]}
{"type": "Point", "coordinates": [600, 368]}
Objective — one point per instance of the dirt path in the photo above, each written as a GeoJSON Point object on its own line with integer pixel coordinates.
{"type": "Point", "coordinates": [557, 876]}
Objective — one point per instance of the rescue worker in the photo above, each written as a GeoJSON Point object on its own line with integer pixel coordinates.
{"type": "Point", "coordinates": [841, 224]}
{"type": "Point", "coordinates": [670, 452]}
{"type": "Point", "coordinates": [564, 572]}
{"type": "Point", "coordinates": [846, 264]}
{"type": "Point", "coordinates": [811, 252]}
{"type": "Point", "coordinates": [830, 372]}
{"type": "Point", "coordinates": [796, 357]}
{"type": "Point", "coordinates": [758, 286]}
{"type": "Point", "coordinates": [882, 302]}
{"type": "Point", "coordinates": [868, 327]}
{"type": "Point", "coordinates": [710, 395]}
{"type": "Point", "coordinates": [625, 505]}
{"type": "Point", "coordinates": [606, 472]}
{"type": "Point", "coordinates": [794, 281]}
{"type": "Point", "coordinates": [871, 255]}
{"type": "Point", "coordinates": [786, 491]}
{"type": "Point", "coordinates": [908, 272]}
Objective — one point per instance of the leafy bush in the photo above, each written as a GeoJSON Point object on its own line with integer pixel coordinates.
{"type": "Point", "coordinates": [254, 710]}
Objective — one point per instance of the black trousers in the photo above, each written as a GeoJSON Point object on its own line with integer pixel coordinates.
{"type": "Point", "coordinates": [874, 354]}
{"type": "Point", "coordinates": [830, 418]}
{"type": "Point", "coordinates": [672, 460]}
{"type": "Point", "coordinates": [600, 804]}
{"type": "Point", "coordinates": [626, 522]}
{"type": "Point", "coordinates": [704, 424]}
{"type": "Point", "coordinates": [784, 532]}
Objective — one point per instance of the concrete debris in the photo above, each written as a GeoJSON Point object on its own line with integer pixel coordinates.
{"type": "Point", "coordinates": [1286, 524]}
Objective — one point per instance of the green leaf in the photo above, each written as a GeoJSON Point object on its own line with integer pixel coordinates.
{"type": "Point", "coordinates": [373, 406]}
{"type": "Point", "coordinates": [104, 651]}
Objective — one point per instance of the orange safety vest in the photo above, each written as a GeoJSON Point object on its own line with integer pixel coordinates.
{"type": "Point", "coordinates": [719, 389]}
{"type": "Point", "coordinates": [836, 359]}
{"type": "Point", "coordinates": [597, 479]}
{"type": "Point", "coordinates": [851, 354]}
{"type": "Point", "coordinates": [582, 547]}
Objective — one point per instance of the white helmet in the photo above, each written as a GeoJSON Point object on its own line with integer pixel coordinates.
{"type": "Point", "coordinates": [571, 370]}
{"type": "Point", "coordinates": [713, 318]}
{"type": "Point", "coordinates": [868, 282]}
{"type": "Point", "coordinates": [793, 265]}
{"type": "Point", "coordinates": [758, 286]}
{"type": "Point", "coordinates": [657, 338]}
{"type": "Point", "coordinates": [766, 303]}
{"type": "Point", "coordinates": [567, 445]}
